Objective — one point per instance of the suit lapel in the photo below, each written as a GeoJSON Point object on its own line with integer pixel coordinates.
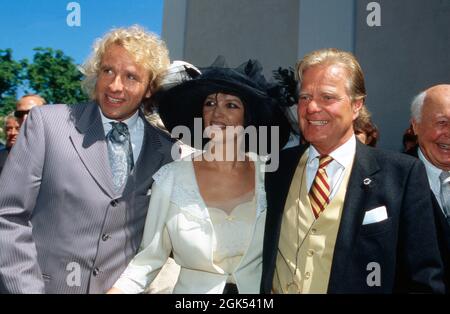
{"type": "Point", "coordinates": [361, 183]}
{"type": "Point", "coordinates": [149, 160]}
{"type": "Point", "coordinates": [89, 142]}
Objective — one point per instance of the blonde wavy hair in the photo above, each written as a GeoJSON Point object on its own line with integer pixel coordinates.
{"type": "Point", "coordinates": [355, 81]}
{"type": "Point", "coordinates": [147, 49]}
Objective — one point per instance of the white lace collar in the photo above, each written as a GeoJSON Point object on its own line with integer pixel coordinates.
{"type": "Point", "coordinates": [186, 194]}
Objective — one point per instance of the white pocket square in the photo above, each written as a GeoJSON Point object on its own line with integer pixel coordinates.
{"type": "Point", "coordinates": [375, 215]}
{"type": "Point", "coordinates": [149, 192]}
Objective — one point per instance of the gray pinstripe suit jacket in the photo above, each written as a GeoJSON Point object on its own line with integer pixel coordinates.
{"type": "Point", "coordinates": [63, 228]}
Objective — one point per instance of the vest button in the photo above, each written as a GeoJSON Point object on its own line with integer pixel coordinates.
{"type": "Point", "coordinates": [307, 275]}
{"type": "Point", "coordinates": [114, 203]}
{"type": "Point", "coordinates": [310, 252]}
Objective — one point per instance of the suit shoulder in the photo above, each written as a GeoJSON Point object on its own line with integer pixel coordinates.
{"type": "Point", "coordinates": [61, 110]}
{"type": "Point", "coordinates": [393, 162]}
{"type": "Point", "coordinates": [393, 157]}
{"type": "Point", "coordinates": [163, 136]}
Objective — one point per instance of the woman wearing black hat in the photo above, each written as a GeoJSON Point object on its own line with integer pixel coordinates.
{"type": "Point", "coordinates": [209, 209]}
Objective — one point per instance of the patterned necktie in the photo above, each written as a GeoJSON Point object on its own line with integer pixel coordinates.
{"type": "Point", "coordinates": [445, 193]}
{"type": "Point", "coordinates": [120, 153]}
{"type": "Point", "coordinates": [319, 195]}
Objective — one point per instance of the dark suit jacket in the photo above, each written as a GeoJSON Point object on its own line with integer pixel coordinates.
{"type": "Point", "coordinates": [63, 227]}
{"type": "Point", "coordinates": [404, 245]}
{"type": "Point", "coordinates": [443, 234]}
{"type": "Point", "coordinates": [443, 231]}
{"type": "Point", "coordinates": [3, 155]}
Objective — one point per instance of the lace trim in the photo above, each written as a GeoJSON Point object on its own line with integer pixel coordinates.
{"type": "Point", "coordinates": [162, 173]}
{"type": "Point", "coordinates": [185, 193]}
{"type": "Point", "coordinates": [261, 202]}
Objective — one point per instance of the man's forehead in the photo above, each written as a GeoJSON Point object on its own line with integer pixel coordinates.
{"type": "Point", "coordinates": [438, 100]}
{"type": "Point", "coordinates": [11, 121]}
{"type": "Point", "coordinates": [117, 53]}
{"type": "Point", "coordinates": [30, 101]}
{"type": "Point", "coordinates": [331, 72]}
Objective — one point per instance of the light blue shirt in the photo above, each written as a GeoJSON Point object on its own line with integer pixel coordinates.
{"type": "Point", "coordinates": [342, 159]}
{"type": "Point", "coordinates": [135, 127]}
{"type": "Point", "coordinates": [433, 174]}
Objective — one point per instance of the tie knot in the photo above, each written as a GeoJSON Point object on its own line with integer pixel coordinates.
{"type": "Point", "coordinates": [324, 161]}
{"type": "Point", "coordinates": [444, 176]}
{"type": "Point", "coordinates": [119, 132]}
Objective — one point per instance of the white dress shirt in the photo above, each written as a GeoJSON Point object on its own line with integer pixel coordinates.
{"type": "Point", "coordinates": [135, 127]}
{"type": "Point", "coordinates": [433, 174]}
{"type": "Point", "coordinates": [342, 158]}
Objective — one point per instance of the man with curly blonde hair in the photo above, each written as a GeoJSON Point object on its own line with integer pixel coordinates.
{"type": "Point", "coordinates": [84, 173]}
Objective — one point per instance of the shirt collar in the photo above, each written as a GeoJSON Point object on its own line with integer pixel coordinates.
{"type": "Point", "coordinates": [130, 122]}
{"type": "Point", "coordinates": [343, 155]}
{"type": "Point", "coordinates": [433, 172]}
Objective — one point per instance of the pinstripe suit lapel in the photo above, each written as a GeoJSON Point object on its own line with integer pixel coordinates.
{"type": "Point", "coordinates": [89, 142]}
{"type": "Point", "coordinates": [150, 159]}
{"type": "Point", "coordinates": [151, 156]}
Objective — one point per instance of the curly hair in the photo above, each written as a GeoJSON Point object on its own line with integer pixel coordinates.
{"type": "Point", "coordinates": [147, 49]}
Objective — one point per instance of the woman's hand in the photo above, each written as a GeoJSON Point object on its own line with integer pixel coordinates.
{"type": "Point", "coordinates": [114, 290]}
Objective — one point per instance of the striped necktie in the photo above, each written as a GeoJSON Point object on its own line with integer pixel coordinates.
{"type": "Point", "coordinates": [319, 195]}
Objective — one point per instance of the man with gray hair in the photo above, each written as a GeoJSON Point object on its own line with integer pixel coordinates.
{"type": "Point", "coordinates": [72, 216]}
{"type": "Point", "coordinates": [430, 111]}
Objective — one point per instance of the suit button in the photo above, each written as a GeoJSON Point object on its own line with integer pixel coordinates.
{"type": "Point", "coordinates": [114, 203]}
{"type": "Point", "coordinates": [106, 237]}
{"type": "Point", "coordinates": [313, 231]}
{"type": "Point", "coordinates": [96, 272]}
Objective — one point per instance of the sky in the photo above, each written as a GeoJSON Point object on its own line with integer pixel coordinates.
{"type": "Point", "coordinates": [26, 24]}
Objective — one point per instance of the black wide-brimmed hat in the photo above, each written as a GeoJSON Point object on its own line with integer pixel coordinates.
{"type": "Point", "coordinates": [183, 102]}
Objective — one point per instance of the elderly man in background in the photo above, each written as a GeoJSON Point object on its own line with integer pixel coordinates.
{"type": "Point", "coordinates": [11, 130]}
{"type": "Point", "coordinates": [25, 104]}
{"type": "Point", "coordinates": [430, 118]}
{"type": "Point", "coordinates": [73, 212]}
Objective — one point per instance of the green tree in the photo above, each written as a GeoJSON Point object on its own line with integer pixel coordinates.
{"type": "Point", "coordinates": [54, 76]}
{"type": "Point", "coordinates": [11, 77]}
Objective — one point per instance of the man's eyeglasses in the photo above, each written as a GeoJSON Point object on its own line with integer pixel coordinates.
{"type": "Point", "coordinates": [20, 113]}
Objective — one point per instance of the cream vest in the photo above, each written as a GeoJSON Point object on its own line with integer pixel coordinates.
{"type": "Point", "coordinates": [306, 245]}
